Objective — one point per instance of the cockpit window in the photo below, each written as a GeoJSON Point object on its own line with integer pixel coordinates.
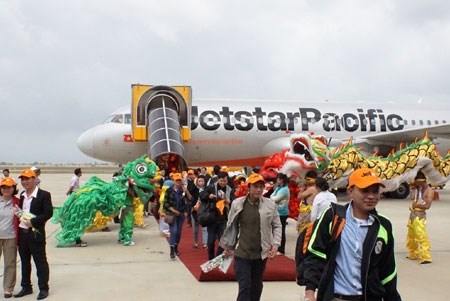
{"type": "Point", "coordinates": [118, 118]}
{"type": "Point", "coordinates": [108, 119]}
{"type": "Point", "coordinates": [127, 118]}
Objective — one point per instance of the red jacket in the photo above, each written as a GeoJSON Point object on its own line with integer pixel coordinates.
{"type": "Point", "coordinates": [15, 202]}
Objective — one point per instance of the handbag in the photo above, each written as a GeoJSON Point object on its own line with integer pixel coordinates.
{"type": "Point", "coordinates": [206, 214]}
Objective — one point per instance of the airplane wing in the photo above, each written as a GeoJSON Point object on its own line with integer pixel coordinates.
{"type": "Point", "coordinates": [407, 135]}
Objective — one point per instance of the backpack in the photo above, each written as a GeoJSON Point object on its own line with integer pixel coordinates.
{"type": "Point", "coordinates": [301, 247]}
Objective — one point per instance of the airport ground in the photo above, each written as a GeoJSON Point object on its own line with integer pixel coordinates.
{"type": "Point", "coordinates": [106, 270]}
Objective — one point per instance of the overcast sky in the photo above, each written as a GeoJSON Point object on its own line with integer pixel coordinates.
{"type": "Point", "coordinates": [65, 65]}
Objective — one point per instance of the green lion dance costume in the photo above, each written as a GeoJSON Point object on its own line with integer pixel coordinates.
{"type": "Point", "coordinates": [78, 212]}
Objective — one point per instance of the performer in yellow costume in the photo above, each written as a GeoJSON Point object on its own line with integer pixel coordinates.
{"type": "Point", "coordinates": [417, 241]}
{"type": "Point", "coordinates": [306, 197]}
{"type": "Point", "coordinates": [138, 213]}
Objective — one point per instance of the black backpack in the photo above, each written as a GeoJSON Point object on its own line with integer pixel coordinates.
{"type": "Point", "coordinates": [301, 247]}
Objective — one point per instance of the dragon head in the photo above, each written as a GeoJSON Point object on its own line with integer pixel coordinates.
{"type": "Point", "coordinates": [307, 152]}
{"type": "Point", "coordinates": [139, 173]}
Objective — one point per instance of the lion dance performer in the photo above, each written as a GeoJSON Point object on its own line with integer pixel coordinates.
{"type": "Point", "coordinates": [417, 241]}
{"type": "Point", "coordinates": [79, 210]}
{"type": "Point", "coordinates": [306, 197]}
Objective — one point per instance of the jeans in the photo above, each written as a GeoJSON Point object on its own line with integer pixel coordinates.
{"type": "Point", "coordinates": [175, 230]}
{"type": "Point", "coordinates": [195, 226]}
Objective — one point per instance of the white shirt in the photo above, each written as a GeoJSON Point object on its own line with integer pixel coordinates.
{"type": "Point", "coordinates": [75, 183]}
{"type": "Point", "coordinates": [27, 204]}
{"type": "Point", "coordinates": [321, 202]}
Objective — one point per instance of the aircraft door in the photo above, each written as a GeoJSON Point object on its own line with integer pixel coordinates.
{"type": "Point", "coordinates": [165, 140]}
{"type": "Point", "coordinates": [161, 116]}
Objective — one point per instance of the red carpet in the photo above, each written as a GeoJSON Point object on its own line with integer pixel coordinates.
{"type": "Point", "coordinates": [280, 268]}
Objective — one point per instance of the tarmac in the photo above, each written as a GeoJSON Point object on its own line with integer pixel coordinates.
{"type": "Point", "coordinates": [106, 270]}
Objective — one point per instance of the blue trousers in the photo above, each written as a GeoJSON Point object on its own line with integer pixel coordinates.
{"type": "Point", "coordinates": [175, 230]}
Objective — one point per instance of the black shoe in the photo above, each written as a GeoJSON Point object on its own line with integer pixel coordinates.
{"type": "Point", "coordinates": [176, 250]}
{"type": "Point", "coordinates": [42, 295]}
{"type": "Point", "coordinates": [23, 292]}
{"type": "Point", "coordinates": [172, 252]}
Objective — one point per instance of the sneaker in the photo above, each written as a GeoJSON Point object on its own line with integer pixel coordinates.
{"type": "Point", "coordinates": [195, 246]}
{"type": "Point", "coordinates": [205, 246]}
{"type": "Point", "coordinates": [81, 243]}
{"type": "Point", "coordinates": [119, 241]}
{"type": "Point", "coordinates": [129, 244]}
{"type": "Point", "coordinates": [425, 262]}
{"type": "Point", "coordinates": [106, 229]}
{"type": "Point", "coordinates": [411, 258]}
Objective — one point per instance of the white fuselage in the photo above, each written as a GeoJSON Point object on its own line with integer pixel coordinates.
{"type": "Point", "coordinates": [245, 132]}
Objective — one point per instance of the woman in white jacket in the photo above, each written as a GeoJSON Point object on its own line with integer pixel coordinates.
{"type": "Point", "coordinates": [322, 200]}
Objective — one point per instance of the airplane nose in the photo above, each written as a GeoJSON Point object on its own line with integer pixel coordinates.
{"type": "Point", "coordinates": [85, 143]}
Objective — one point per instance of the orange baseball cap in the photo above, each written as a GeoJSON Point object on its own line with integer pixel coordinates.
{"type": "Point", "coordinates": [254, 178]}
{"type": "Point", "coordinates": [177, 176]}
{"type": "Point", "coordinates": [363, 178]}
{"type": "Point", "coordinates": [27, 173]}
{"type": "Point", "coordinates": [8, 182]}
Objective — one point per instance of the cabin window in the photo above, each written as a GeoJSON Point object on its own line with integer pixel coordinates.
{"type": "Point", "coordinates": [413, 122]}
{"type": "Point", "coordinates": [127, 118]}
{"type": "Point", "coordinates": [421, 122]}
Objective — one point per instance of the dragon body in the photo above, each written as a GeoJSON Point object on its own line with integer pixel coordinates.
{"type": "Point", "coordinates": [309, 152]}
{"type": "Point", "coordinates": [399, 167]}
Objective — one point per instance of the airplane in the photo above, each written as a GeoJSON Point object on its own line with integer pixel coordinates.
{"type": "Point", "coordinates": [245, 132]}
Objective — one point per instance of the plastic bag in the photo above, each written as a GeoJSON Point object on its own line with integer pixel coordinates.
{"type": "Point", "coordinates": [164, 228]}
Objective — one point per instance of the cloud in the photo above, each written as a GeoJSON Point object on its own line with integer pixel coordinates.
{"type": "Point", "coordinates": [66, 65]}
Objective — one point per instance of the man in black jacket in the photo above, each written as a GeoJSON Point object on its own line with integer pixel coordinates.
{"type": "Point", "coordinates": [360, 265]}
{"type": "Point", "coordinates": [38, 203]}
{"type": "Point", "coordinates": [218, 194]}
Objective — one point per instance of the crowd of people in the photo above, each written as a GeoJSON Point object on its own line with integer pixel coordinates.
{"type": "Point", "coordinates": [251, 227]}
